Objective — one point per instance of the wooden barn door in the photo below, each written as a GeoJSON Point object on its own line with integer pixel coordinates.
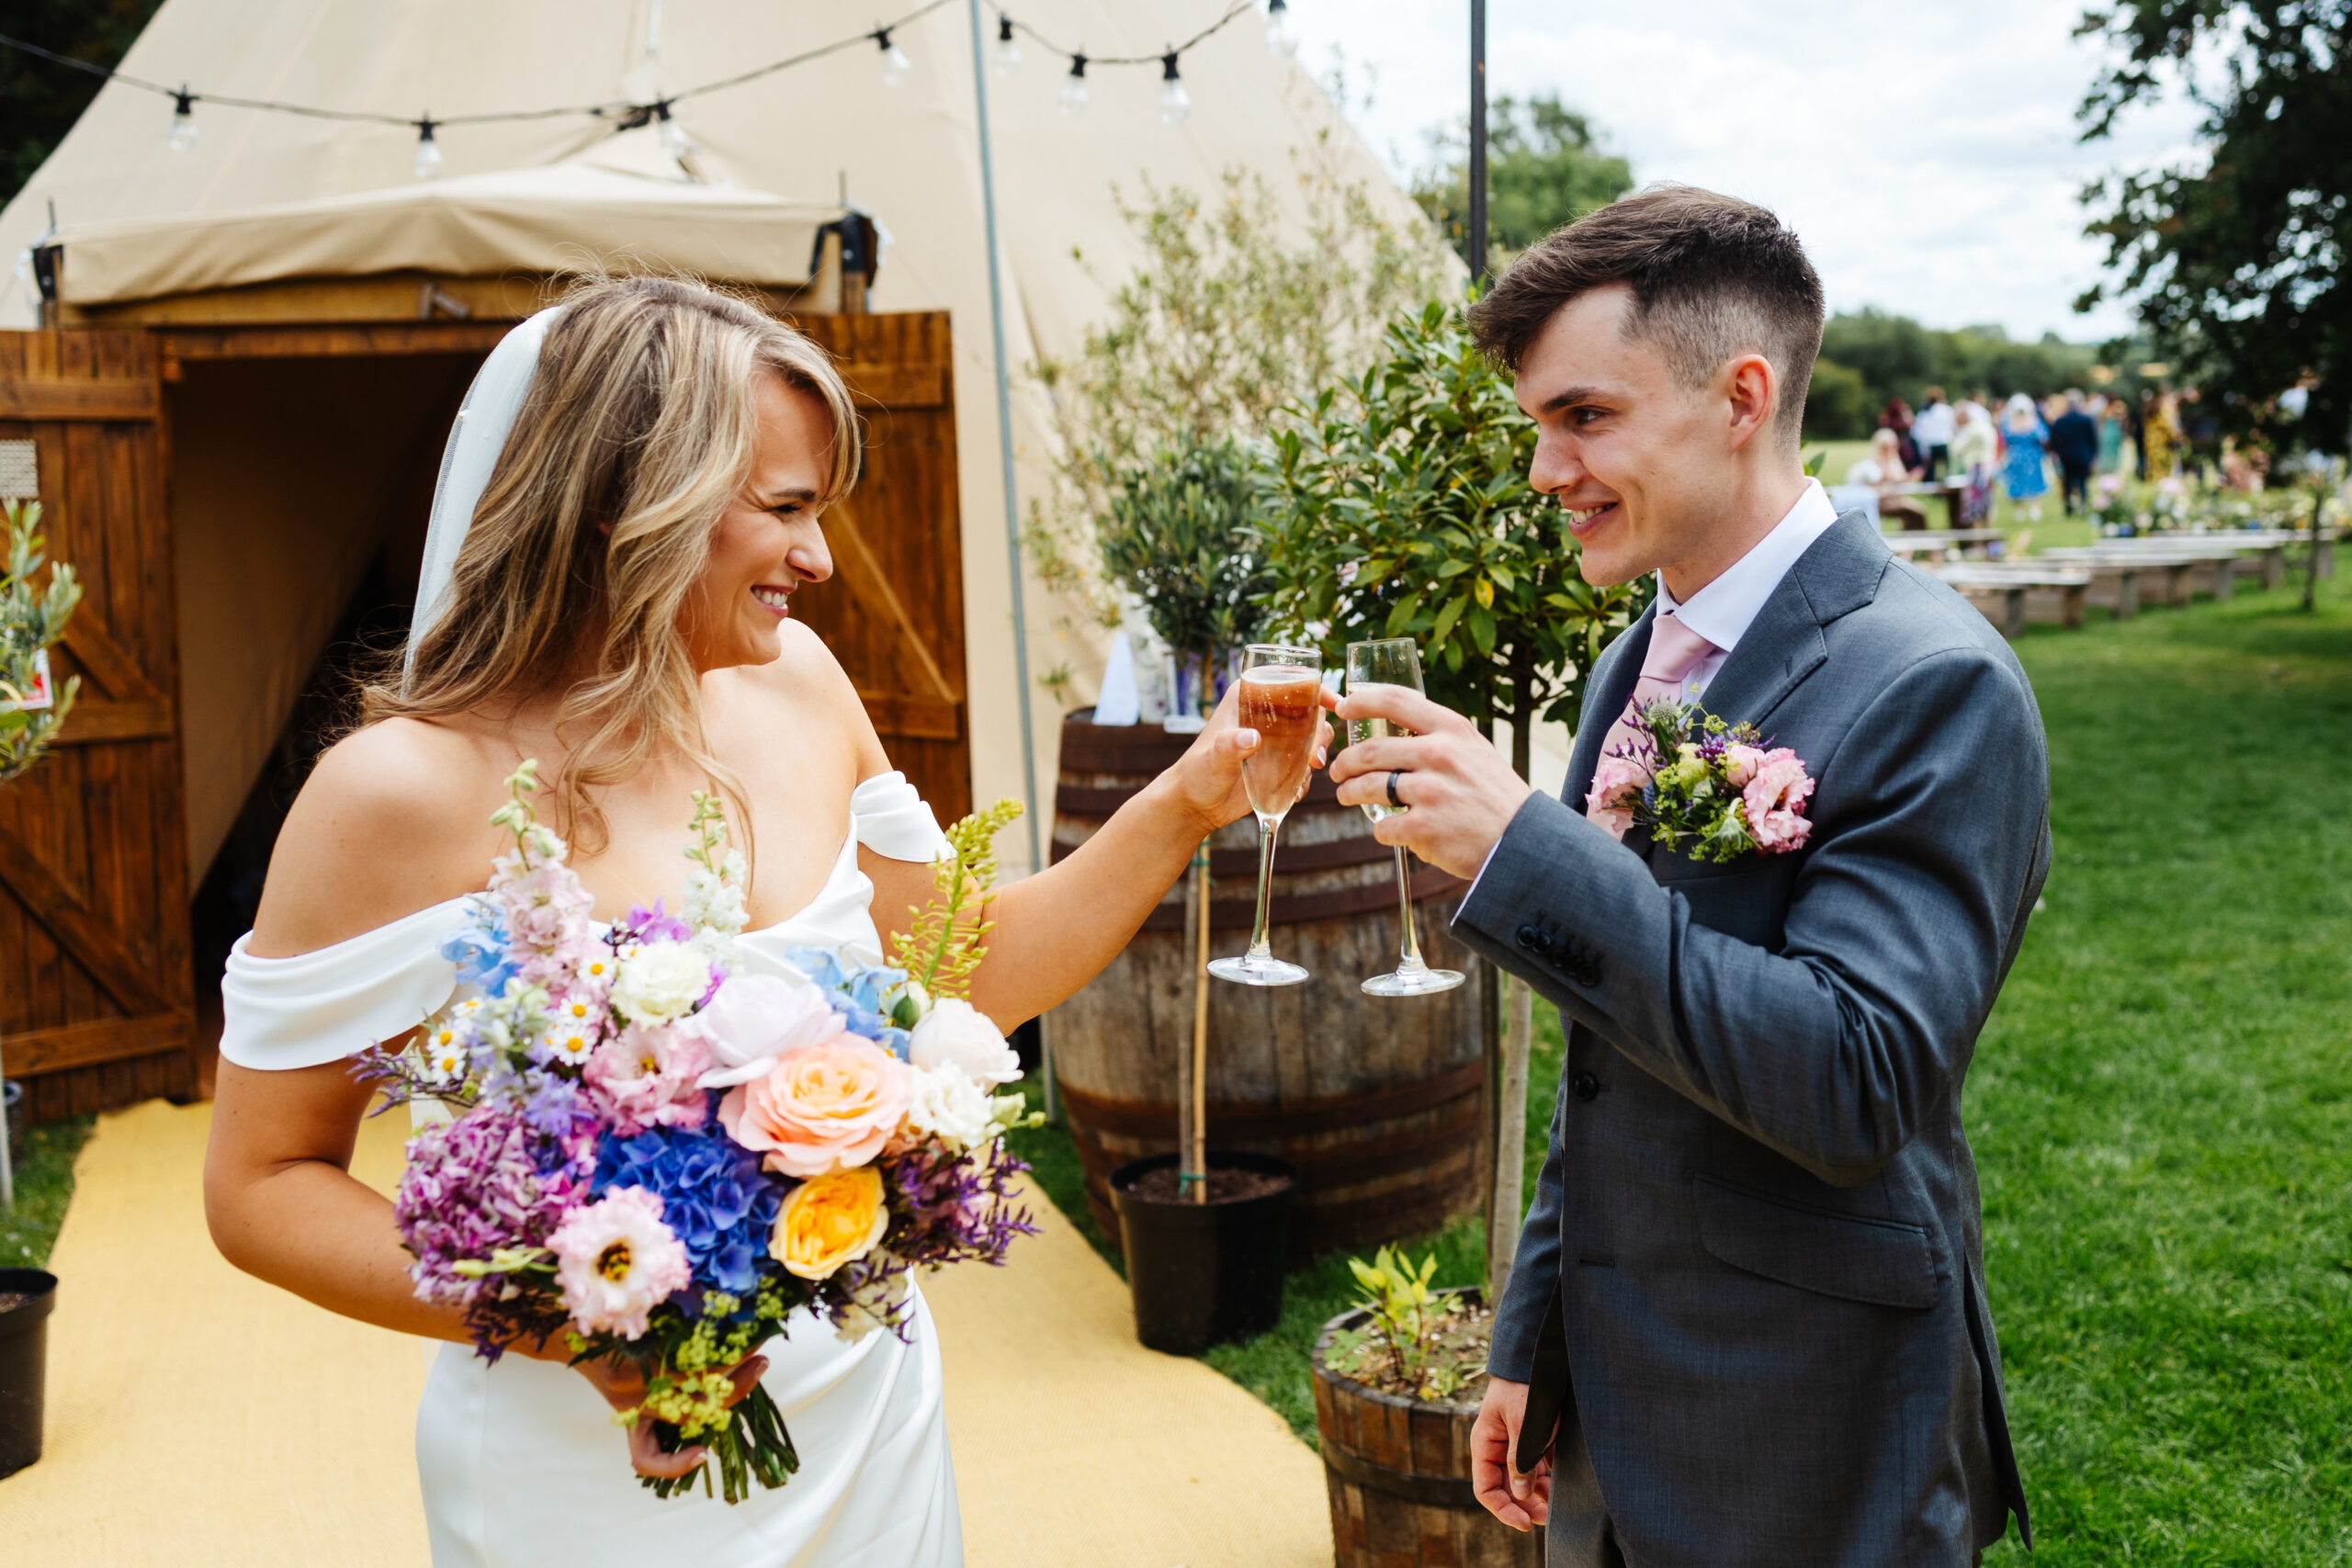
{"type": "Point", "coordinates": [893, 613]}
{"type": "Point", "coordinates": [95, 982]}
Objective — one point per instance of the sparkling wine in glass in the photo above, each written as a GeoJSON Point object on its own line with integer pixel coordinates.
{"type": "Point", "coordinates": [1282, 699]}
{"type": "Point", "coordinates": [1394, 661]}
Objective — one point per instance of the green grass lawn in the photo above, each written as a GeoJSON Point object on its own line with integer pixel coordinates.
{"type": "Point", "coordinates": [44, 1185]}
{"type": "Point", "coordinates": [2161, 1105]}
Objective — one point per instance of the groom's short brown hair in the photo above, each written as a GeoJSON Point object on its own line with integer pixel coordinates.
{"type": "Point", "coordinates": [1711, 277]}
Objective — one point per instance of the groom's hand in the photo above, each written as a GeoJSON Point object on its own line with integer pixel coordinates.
{"type": "Point", "coordinates": [1460, 791]}
{"type": "Point", "coordinates": [1520, 1501]}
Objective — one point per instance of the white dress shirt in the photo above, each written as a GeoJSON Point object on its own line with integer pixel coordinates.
{"type": "Point", "coordinates": [1723, 611]}
{"type": "Point", "coordinates": [1933, 427]}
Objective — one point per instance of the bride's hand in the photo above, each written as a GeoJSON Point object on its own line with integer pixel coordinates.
{"type": "Point", "coordinates": [1206, 783]}
{"type": "Point", "coordinates": [623, 1386]}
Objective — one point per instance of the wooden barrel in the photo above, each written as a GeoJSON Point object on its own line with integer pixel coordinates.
{"type": "Point", "coordinates": [1398, 1471]}
{"type": "Point", "coordinates": [1378, 1101]}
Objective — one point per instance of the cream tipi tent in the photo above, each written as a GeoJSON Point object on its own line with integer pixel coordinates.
{"type": "Point", "coordinates": [817, 132]}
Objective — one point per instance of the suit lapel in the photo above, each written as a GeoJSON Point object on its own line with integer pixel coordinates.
{"type": "Point", "coordinates": [1610, 689]}
{"type": "Point", "coordinates": [1837, 573]}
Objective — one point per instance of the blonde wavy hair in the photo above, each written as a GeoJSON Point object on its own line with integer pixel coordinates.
{"type": "Point", "coordinates": [642, 416]}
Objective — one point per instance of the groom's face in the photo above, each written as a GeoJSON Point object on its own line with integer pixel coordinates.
{"type": "Point", "coordinates": [1642, 462]}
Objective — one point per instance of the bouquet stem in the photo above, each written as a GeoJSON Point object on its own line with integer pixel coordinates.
{"type": "Point", "coordinates": [752, 1445]}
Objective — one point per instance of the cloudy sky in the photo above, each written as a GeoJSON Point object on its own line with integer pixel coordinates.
{"type": "Point", "coordinates": [1927, 153]}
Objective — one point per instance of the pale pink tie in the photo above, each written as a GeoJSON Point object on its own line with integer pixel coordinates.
{"type": "Point", "coordinates": [1675, 650]}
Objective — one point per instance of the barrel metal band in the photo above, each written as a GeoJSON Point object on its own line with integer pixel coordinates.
{"type": "Point", "coordinates": [1431, 1491]}
{"type": "Point", "coordinates": [1251, 1119]}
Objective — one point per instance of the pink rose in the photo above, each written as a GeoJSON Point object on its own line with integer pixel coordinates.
{"type": "Point", "coordinates": [1616, 789]}
{"type": "Point", "coordinates": [1741, 763]}
{"type": "Point", "coordinates": [1774, 800]}
{"type": "Point", "coordinates": [822, 1108]}
{"type": "Point", "coordinates": [647, 1077]}
{"type": "Point", "coordinates": [754, 1019]}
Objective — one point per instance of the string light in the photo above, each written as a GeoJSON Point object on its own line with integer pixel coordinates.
{"type": "Point", "coordinates": [896, 69]}
{"type": "Point", "coordinates": [896, 66]}
{"type": "Point", "coordinates": [1282, 39]}
{"type": "Point", "coordinates": [1175, 103]}
{"type": "Point", "coordinates": [183, 137]}
{"type": "Point", "coordinates": [674, 139]}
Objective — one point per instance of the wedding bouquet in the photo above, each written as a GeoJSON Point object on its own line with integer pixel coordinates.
{"type": "Point", "coordinates": [1693, 780]}
{"type": "Point", "coordinates": [659, 1157]}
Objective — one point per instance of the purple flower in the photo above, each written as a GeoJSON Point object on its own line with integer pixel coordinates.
{"type": "Point", "coordinates": [651, 925]}
{"type": "Point", "coordinates": [486, 1182]}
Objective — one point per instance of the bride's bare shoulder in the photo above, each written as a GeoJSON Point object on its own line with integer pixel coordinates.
{"type": "Point", "coordinates": [805, 683]}
{"type": "Point", "coordinates": [394, 818]}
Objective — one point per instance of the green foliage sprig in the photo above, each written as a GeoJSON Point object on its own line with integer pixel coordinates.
{"type": "Point", "coordinates": [1181, 536]}
{"type": "Point", "coordinates": [32, 619]}
{"type": "Point", "coordinates": [946, 942]}
{"type": "Point", "coordinates": [1418, 1342]}
{"type": "Point", "coordinates": [1403, 511]}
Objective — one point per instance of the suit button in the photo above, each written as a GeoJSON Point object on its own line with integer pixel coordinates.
{"type": "Point", "coordinates": [1527, 935]}
{"type": "Point", "coordinates": [1587, 1088]}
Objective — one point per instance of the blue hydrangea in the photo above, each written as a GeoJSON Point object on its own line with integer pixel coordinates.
{"type": "Point", "coordinates": [856, 992]}
{"type": "Point", "coordinates": [479, 952]}
{"type": "Point", "coordinates": [714, 1196]}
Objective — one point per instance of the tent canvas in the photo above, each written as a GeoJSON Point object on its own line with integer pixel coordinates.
{"type": "Point", "coordinates": [909, 155]}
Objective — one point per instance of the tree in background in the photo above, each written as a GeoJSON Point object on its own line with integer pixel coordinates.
{"type": "Point", "coordinates": [40, 100]}
{"type": "Point", "coordinates": [1869, 357]}
{"type": "Point", "coordinates": [1236, 310]}
{"type": "Point", "coordinates": [1545, 168]}
{"type": "Point", "coordinates": [2235, 269]}
{"type": "Point", "coordinates": [1181, 536]}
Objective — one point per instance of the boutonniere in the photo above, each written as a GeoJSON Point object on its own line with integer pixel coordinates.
{"type": "Point", "coordinates": [1712, 789]}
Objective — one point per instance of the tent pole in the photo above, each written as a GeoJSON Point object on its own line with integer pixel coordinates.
{"type": "Point", "coordinates": [1012, 511]}
{"type": "Point", "coordinates": [1477, 237]}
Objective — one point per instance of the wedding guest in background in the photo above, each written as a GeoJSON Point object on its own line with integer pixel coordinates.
{"type": "Point", "coordinates": [2074, 441]}
{"type": "Point", "coordinates": [2199, 424]}
{"type": "Point", "coordinates": [2027, 439]}
{"type": "Point", "coordinates": [1883, 471]}
{"type": "Point", "coordinates": [2112, 428]}
{"type": "Point", "coordinates": [1896, 416]}
{"type": "Point", "coordinates": [1977, 453]}
{"type": "Point", "coordinates": [1932, 433]}
{"type": "Point", "coordinates": [2160, 444]}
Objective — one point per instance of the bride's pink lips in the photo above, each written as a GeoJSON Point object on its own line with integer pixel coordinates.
{"type": "Point", "coordinates": [781, 612]}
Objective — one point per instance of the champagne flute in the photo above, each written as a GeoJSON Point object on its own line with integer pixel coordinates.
{"type": "Point", "coordinates": [1394, 661]}
{"type": "Point", "coordinates": [1282, 699]}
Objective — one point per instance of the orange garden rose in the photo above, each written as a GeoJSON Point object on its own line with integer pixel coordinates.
{"type": "Point", "coordinates": [822, 1108]}
{"type": "Point", "coordinates": [829, 1221]}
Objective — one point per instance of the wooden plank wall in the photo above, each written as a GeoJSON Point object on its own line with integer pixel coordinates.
{"type": "Point", "coordinates": [95, 982]}
{"type": "Point", "coordinates": [893, 613]}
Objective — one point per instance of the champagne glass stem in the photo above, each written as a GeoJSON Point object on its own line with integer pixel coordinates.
{"type": "Point", "coordinates": [1267, 827]}
{"type": "Point", "coordinates": [1412, 954]}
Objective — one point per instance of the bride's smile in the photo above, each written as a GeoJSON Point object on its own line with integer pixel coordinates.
{"type": "Point", "coordinates": [769, 542]}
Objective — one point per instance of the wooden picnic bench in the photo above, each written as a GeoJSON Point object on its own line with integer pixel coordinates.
{"type": "Point", "coordinates": [1947, 542]}
{"type": "Point", "coordinates": [1952, 491]}
{"type": "Point", "coordinates": [2011, 592]}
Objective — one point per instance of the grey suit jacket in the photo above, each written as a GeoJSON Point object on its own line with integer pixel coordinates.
{"type": "Point", "coordinates": [1757, 1236]}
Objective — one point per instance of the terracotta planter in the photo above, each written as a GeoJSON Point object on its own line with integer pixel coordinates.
{"type": "Point", "coordinates": [1398, 1471]}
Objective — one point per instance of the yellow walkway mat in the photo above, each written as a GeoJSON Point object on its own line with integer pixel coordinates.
{"type": "Point", "coordinates": [198, 1415]}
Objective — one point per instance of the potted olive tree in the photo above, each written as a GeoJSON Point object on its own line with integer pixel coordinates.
{"type": "Point", "coordinates": [1402, 509]}
{"type": "Point", "coordinates": [1398, 1382]}
{"type": "Point", "coordinates": [31, 710]}
{"type": "Point", "coordinates": [1205, 1232]}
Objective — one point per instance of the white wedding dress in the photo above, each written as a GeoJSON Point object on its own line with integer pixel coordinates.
{"type": "Point", "coordinates": [520, 1462]}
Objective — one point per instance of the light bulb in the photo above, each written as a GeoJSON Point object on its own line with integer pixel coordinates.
{"type": "Point", "coordinates": [1072, 100]}
{"type": "Point", "coordinates": [676, 143]}
{"type": "Point", "coordinates": [896, 66]}
{"type": "Point", "coordinates": [183, 137]}
{"type": "Point", "coordinates": [428, 152]}
{"type": "Point", "coordinates": [1174, 102]}
{"type": "Point", "coordinates": [1008, 51]}
{"type": "Point", "coordinates": [1280, 40]}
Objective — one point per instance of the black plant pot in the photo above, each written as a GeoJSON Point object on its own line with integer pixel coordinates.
{"type": "Point", "coordinates": [24, 1361]}
{"type": "Point", "coordinates": [1202, 1273]}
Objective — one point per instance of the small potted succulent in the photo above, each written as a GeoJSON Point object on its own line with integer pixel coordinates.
{"type": "Point", "coordinates": [1398, 1382]}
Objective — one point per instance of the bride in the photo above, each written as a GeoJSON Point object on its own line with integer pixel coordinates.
{"type": "Point", "coordinates": [616, 603]}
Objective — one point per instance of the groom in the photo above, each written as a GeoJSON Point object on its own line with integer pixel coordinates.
{"type": "Point", "coordinates": [1748, 1321]}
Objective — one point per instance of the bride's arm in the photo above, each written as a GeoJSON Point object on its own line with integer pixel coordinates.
{"type": "Point", "coordinates": [1056, 931]}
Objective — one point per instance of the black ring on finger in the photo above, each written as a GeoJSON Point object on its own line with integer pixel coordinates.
{"type": "Point", "coordinates": [1391, 789]}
